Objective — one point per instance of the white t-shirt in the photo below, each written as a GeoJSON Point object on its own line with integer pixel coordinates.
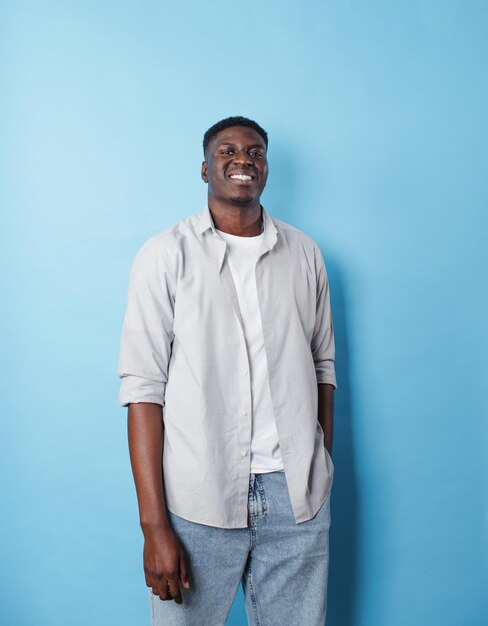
{"type": "Point", "coordinates": [242, 254]}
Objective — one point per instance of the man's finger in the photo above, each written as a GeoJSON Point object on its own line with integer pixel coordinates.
{"type": "Point", "coordinates": [161, 588]}
{"type": "Point", "coordinates": [184, 574]}
{"type": "Point", "coordinates": [174, 589]}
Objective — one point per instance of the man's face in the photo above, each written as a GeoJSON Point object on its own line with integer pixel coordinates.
{"type": "Point", "coordinates": [236, 166]}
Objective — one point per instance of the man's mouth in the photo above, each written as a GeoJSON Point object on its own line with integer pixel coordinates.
{"type": "Point", "coordinates": [241, 177]}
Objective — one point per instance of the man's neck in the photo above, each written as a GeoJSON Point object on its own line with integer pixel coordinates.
{"type": "Point", "coordinates": [244, 221]}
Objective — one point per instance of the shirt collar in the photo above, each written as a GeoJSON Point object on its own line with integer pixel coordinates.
{"type": "Point", "coordinates": [205, 222]}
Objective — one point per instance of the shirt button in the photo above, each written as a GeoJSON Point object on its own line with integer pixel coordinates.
{"type": "Point", "coordinates": [243, 452]}
{"type": "Point", "coordinates": [246, 373]}
{"type": "Point", "coordinates": [243, 412]}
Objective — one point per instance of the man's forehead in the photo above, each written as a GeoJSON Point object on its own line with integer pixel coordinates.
{"type": "Point", "coordinates": [238, 134]}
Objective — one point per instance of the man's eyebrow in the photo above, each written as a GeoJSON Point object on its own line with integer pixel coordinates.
{"type": "Point", "coordinates": [254, 145]}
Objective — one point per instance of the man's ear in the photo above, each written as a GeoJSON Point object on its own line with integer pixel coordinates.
{"type": "Point", "coordinates": [204, 172]}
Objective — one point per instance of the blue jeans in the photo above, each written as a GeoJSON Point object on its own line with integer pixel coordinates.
{"type": "Point", "coordinates": [283, 566]}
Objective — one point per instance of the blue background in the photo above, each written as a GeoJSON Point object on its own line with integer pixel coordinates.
{"type": "Point", "coordinates": [377, 115]}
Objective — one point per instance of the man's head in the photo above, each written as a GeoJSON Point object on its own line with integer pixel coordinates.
{"type": "Point", "coordinates": [235, 165]}
{"type": "Point", "coordinates": [229, 122]}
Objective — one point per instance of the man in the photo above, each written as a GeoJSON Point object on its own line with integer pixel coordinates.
{"type": "Point", "coordinates": [227, 367]}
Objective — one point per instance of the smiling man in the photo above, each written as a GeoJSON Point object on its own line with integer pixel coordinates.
{"type": "Point", "coordinates": [227, 369]}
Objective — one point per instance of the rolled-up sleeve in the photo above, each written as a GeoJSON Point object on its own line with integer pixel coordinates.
{"type": "Point", "coordinates": [322, 344]}
{"type": "Point", "coordinates": [147, 334]}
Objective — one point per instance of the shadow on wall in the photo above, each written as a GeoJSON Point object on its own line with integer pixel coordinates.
{"type": "Point", "coordinates": [282, 199]}
{"type": "Point", "coordinates": [344, 533]}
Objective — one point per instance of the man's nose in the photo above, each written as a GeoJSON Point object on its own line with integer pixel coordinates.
{"type": "Point", "coordinates": [243, 157]}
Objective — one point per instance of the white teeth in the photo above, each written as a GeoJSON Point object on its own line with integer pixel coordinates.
{"type": "Point", "coordinates": [241, 176]}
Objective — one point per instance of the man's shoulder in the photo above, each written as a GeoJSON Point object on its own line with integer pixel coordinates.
{"type": "Point", "coordinates": [172, 235]}
{"type": "Point", "coordinates": [295, 234]}
{"type": "Point", "coordinates": [164, 247]}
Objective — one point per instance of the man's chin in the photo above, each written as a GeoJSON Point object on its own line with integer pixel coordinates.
{"type": "Point", "coordinates": [239, 197]}
{"type": "Point", "coordinates": [244, 198]}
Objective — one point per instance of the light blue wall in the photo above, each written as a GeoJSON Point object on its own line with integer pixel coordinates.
{"type": "Point", "coordinates": [377, 115]}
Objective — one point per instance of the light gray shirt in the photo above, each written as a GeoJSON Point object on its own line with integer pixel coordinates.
{"type": "Point", "coordinates": [183, 347]}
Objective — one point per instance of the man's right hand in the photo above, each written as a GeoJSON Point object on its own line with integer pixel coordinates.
{"type": "Point", "coordinates": [165, 564]}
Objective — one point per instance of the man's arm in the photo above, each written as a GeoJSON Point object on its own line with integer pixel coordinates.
{"type": "Point", "coordinates": [164, 555]}
{"type": "Point", "coordinates": [326, 413]}
{"type": "Point", "coordinates": [145, 352]}
{"type": "Point", "coordinates": [323, 351]}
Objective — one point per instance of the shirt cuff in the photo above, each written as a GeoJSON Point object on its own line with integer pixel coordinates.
{"type": "Point", "coordinates": [137, 389]}
{"type": "Point", "coordinates": [326, 378]}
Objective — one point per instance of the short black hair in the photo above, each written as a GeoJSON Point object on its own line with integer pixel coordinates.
{"type": "Point", "coordinates": [228, 122]}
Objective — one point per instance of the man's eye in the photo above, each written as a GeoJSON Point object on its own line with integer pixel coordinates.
{"type": "Point", "coordinates": [254, 153]}
{"type": "Point", "coordinates": [226, 151]}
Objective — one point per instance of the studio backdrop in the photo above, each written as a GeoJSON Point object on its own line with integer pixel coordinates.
{"type": "Point", "coordinates": [377, 121]}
